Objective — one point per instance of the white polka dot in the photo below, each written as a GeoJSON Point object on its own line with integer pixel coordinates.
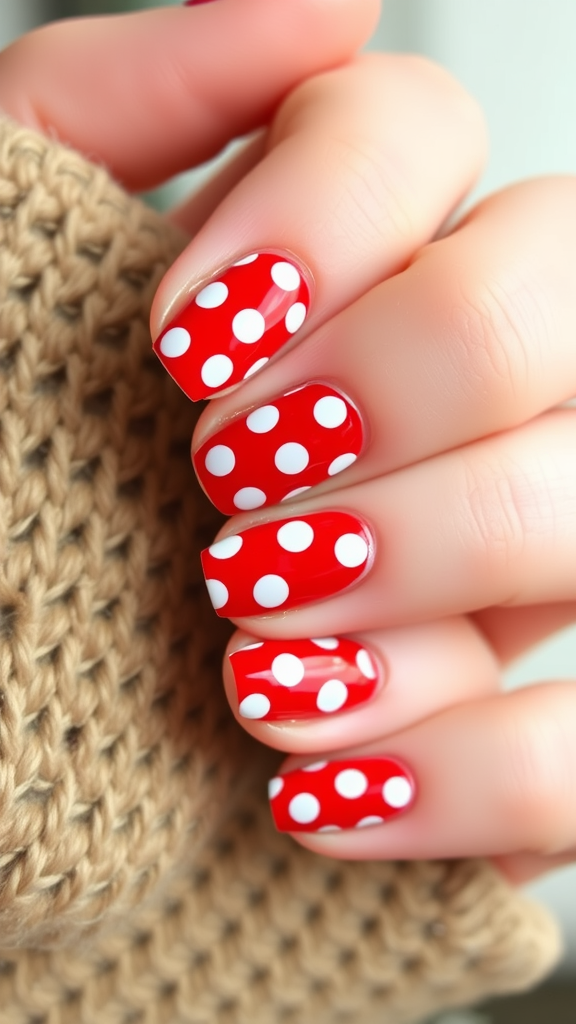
{"type": "Point", "coordinates": [248, 326]}
{"type": "Point", "coordinates": [329, 643]}
{"type": "Point", "coordinates": [246, 259]}
{"type": "Point", "coordinates": [316, 766]}
{"type": "Point", "coordinates": [218, 593]}
{"type": "Point", "coordinates": [262, 420]}
{"type": "Point", "coordinates": [332, 696]}
{"type": "Point", "coordinates": [295, 317]}
{"type": "Point", "coordinates": [330, 828]}
{"type": "Point", "coordinates": [397, 791]}
{"type": "Point", "coordinates": [252, 647]}
{"type": "Point", "coordinates": [275, 786]}
{"type": "Point", "coordinates": [330, 411]}
{"type": "Point", "coordinates": [226, 548]}
{"type": "Point", "coordinates": [212, 295]}
{"type": "Point", "coordinates": [270, 591]}
{"type": "Point", "coordinates": [295, 536]}
{"type": "Point", "coordinates": [291, 458]}
{"type": "Point", "coordinates": [341, 463]}
{"type": "Point", "coordinates": [256, 705]}
{"type": "Point", "coordinates": [288, 670]}
{"type": "Point", "coordinates": [366, 665]}
{"type": "Point", "coordinates": [216, 371]}
{"type": "Point", "coordinates": [220, 460]}
{"type": "Point", "coordinates": [175, 342]}
{"type": "Point", "coordinates": [351, 783]}
{"type": "Point", "coordinates": [249, 497]}
{"type": "Point", "coordinates": [304, 808]}
{"type": "Point", "coordinates": [297, 490]}
{"type": "Point", "coordinates": [370, 819]}
{"type": "Point", "coordinates": [256, 366]}
{"type": "Point", "coordinates": [351, 550]}
{"type": "Point", "coordinates": [285, 276]}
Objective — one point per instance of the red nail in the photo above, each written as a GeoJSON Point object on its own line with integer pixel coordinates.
{"type": "Point", "coordinates": [280, 449]}
{"type": "Point", "coordinates": [193, 3]}
{"type": "Point", "coordinates": [279, 679]}
{"type": "Point", "coordinates": [331, 795]}
{"type": "Point", "coordinates": [232, 327]}
{"type": "Point", "coordinates": [287, 563]}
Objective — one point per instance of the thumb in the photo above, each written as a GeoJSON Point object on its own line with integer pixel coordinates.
{"type": "Point", "coordinates": [153, 93]}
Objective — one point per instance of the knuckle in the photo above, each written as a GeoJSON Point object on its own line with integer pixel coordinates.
{"type": "Point", "coordinates": [494, 322]}
{"type": "Point", "coordinates": [496, 515]}
{"type": "Point", "coordinates": [373, 202]}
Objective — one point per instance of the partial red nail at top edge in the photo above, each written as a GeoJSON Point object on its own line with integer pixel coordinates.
{"type": "Point", "coordinates": [287, 563]}
{"type": "Point", "coordinates": [233, 326]}
{"type": "Point", "coordinates": [327, 796]}
{"type": "Point", "coordinates": [193, 3]}
{"type": "Point", "coordinates": [281, 449]}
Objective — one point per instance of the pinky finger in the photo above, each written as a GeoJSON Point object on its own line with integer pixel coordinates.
{"type": "Point", "coordinates": [494, 777]}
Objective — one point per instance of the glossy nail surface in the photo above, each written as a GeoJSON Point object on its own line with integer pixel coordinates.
{"type": "Point", "coordinates": [232, 327]}
{"type": "Point", "coordinates": [331, 795]}
{"type": "Point", "coordinates": [287, 563]}
{"type": "Point", "coordinates": [293, 679]}
{"type": "Point", "coordinates": [280, 449]}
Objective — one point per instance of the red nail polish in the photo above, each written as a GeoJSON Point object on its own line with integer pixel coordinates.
{"type": "Point", "coordinates": [280, 449]}
{"type": "Point", "coordinates": [287, 563]}
{"type": "Point", "coordinates": [233, 326]}
{"type": "Point", "coordinates": [331, 795]}
{"type": "Point", "coordinates": [292, 679]}
{"type": "Point", "coordinates": [193, 3]}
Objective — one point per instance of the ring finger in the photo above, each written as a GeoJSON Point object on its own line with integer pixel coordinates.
{"type": "Point", "coordinates": [315, 695]}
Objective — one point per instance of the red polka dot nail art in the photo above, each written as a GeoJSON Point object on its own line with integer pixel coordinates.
{"type": "Point", "coordinates": [331, 795]}
{"type": "Point", "coordinates": [280, 449]}
{"type": "Point", "coordinates": [287, 563]}
{"type": "Point", "coordinates": [233, 326]}
{"type": "Point", "coordinates": [292, 679]}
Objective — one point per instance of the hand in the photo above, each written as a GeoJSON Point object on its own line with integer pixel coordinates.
{"type": "Point", "coordinates": [417, 395]}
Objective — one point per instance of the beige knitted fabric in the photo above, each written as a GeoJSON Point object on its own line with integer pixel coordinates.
{"type": "Point", "coordinates": [141, 879]}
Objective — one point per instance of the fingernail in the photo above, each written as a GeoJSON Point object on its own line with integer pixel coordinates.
{"type": "Point", "coordinates": [287, 563]}
{"type": "Point", "coordinates": [233, 326]}
{"type": "Point", "coordinates": [279, 679]}
{"type": "Point", "coordinates": [331, 795]}
{"type": "Point", "coordinates": [193, 3]}
{"type": "Point", "coordinates": [281, 449]}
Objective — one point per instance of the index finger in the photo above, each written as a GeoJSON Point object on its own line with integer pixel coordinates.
{"type": "Point", "coordinates": [153, 93]}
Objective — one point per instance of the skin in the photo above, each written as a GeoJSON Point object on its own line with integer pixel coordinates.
{"type": "Point", "coordinates": [357, 164]}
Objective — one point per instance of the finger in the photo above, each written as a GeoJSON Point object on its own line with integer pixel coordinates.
{"type": "Point", "coordinates": [520, 868]}
{"type": "Point", "coordinates": [490, 778]}
{"type": "Point", "coordinates": [308, 696]}
{"type": "Point", "coordinates": [153, 93]}
{"type": "Point", "coordinates": [492, 523]}
{"type": "Point", "coordinates": [512, 631]}
{"type": "Point", "coordinates": [475, 336]}
{"type": "Point", "coordinates": [344, 195]}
